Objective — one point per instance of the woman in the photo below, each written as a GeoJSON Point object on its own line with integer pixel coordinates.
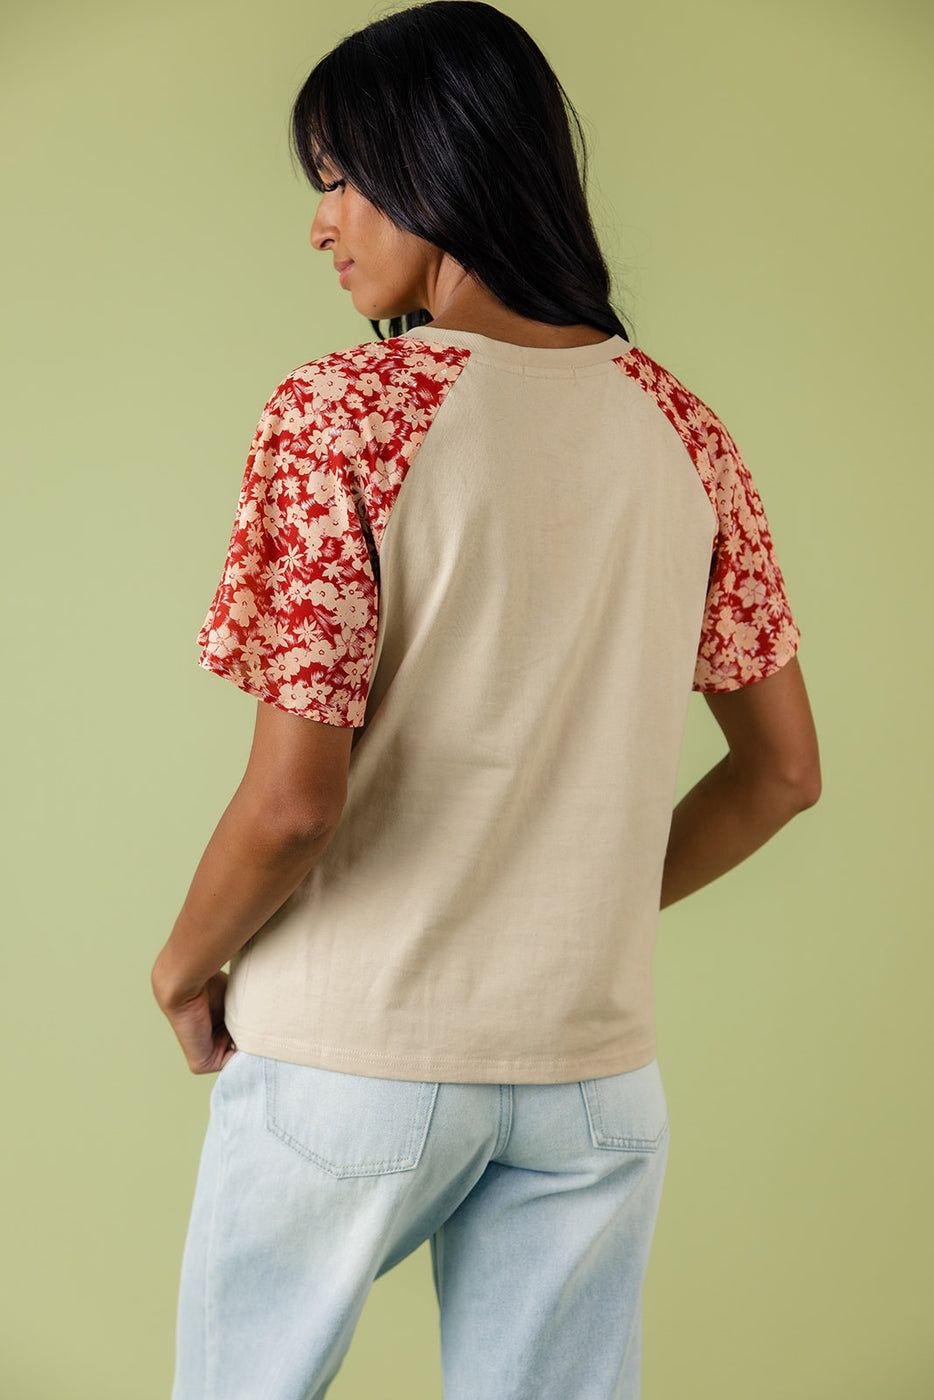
{"type": "Point", "coordinates": [477, 567]}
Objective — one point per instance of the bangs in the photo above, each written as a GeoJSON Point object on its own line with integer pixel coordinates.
{"type": "Point", "coordinates": [310, 140]}
{"type": "Point", "coordinates": [326, 128]}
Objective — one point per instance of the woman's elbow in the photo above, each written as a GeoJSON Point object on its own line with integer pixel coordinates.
{"type": "Point", "coordinates": [802, 783]}
{"type": "Point", "coordinates": [779, 787]}
{"type": "Point", "coordinates": [808, 789]}
{"type": "Point", "coordinates": [287, 822]}
{"type": "Point", "coordinates": [305, 823]}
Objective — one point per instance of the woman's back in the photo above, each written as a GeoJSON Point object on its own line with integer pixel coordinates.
{"type": "Point", "coordinates": [543, 532]}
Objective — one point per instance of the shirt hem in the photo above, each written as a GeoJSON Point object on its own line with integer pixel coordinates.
{"type": "Point", "coordinates": [446, 1069]}
{"type": "Point", "coordinates": [720, 683]}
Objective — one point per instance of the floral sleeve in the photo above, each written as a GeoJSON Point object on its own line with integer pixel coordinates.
{"type": "Point", "coordinates": [748, 630]}
{"type": "Point", "coordinates": [294, 619]}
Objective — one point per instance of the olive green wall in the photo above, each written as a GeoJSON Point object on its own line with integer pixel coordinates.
{"type": "Point", "coordinates": [761, 173]}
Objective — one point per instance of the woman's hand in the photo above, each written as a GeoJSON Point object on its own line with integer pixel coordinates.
{"type": "Point", "coordinates": [198, 1022]}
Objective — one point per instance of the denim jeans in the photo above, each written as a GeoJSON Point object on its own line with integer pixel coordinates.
{"type": "Point", "coordinates": [539, 1201]}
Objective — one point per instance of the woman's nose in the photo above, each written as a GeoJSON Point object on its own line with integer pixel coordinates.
{"type": "Point", "coordinates": [322, 231]}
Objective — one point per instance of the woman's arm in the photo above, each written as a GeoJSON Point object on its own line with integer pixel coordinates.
{"type": "Point", "coordinates": [771, 772]}
{"type": "Point", "coordinates": [277, 824]}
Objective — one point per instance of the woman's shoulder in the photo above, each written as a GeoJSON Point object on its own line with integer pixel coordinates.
{"type": "Point", "coordinates": [381, 391]}
{"type": "Point", "coordinates": [372, 367]}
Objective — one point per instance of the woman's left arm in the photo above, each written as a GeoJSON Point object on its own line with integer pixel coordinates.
{"type": "Point", "coordinates": [276, 826]}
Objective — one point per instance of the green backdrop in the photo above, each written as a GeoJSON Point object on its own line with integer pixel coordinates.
{"type": "Point", "coordinates": [761, 176]}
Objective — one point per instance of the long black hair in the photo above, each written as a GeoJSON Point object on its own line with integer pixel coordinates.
{"type": "Point", "coordinates": [449, 119]}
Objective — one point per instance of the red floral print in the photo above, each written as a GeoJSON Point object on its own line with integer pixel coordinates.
{"type": "Point", "coordinates": [294, 619]}
{"type": "Point", "coordinates": [748, 631]}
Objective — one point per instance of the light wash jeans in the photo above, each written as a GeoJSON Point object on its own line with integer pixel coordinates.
{"type": "Point", "coordinates": [539, 1201]}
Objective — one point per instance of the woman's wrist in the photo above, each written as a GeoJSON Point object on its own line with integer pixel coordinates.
{"type": "Point", "coordinates": [174, 985]}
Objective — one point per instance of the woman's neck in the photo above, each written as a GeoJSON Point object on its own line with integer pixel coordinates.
{"type": "Point", "coordinates": [518, 330]}
{"type": "Point", "coordinates": [469, 306]}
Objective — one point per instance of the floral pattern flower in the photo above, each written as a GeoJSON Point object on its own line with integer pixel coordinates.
{"type": "Point", "coordinates": [748, 630]}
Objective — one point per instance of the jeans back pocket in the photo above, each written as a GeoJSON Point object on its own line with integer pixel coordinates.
{"type": "Point", "coordinates": [348, 1124]}
{"type": "Point", "coordinates": [627, 1112]}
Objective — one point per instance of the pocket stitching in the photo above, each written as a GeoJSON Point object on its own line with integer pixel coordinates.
{"type": "Point", "coordinates": [598, 1134]}
{"type": "Point", "coordinates": [421, 1120]}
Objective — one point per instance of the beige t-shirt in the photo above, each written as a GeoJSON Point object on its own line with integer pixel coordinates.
{"type": "Point", "coordinates": [506, 567]}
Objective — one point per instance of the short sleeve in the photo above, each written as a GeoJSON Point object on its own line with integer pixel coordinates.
{"type": "Point", "coordinates": [294, 619]}
{"type": "Point", "coordinates": [748, 631]}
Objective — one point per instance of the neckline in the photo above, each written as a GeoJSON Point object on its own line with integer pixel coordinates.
{"type": "Point", "coordinates": [533, 356]}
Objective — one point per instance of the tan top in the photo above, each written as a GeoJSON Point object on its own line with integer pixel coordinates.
{"type": "Point", "coordinates": [506, 566]}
